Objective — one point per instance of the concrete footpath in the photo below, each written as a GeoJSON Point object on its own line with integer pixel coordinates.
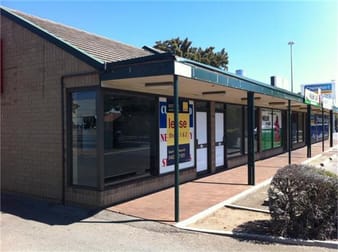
{"type": "Point", "coordinates": [29, 224]}
{"type": "Point", "coordinates": [201, 194]}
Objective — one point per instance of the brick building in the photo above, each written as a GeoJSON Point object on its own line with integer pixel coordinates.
{"type": "Point", "coordinates": [88, 120]}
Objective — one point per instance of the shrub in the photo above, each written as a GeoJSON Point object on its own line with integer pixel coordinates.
{"type": "Point", "coordinates": [303, 203]}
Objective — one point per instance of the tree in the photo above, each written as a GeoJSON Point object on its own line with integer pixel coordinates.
{"type": "Point", "coordinates": [183, 48]}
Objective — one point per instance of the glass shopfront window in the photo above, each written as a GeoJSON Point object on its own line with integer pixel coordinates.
{"type": "Point", "coordinates": [297, 127]}
{"type": "Point", "coordinates": [271, 131]}
{"type": "Point", "coordinates": [294, 126]}
{"type": "Point", "coordinates": [234, 128]}
{"type": "Point", "coordinates": [246, 130]}
{"type": "Point", "coordinates": [317, 129]}
{"type": "Point", "coordinates": [326, 125]}
{"type": "Point", "coordinates": [301, 127]}
{"type": "Point", "coordinates": [83, 108]}
{"type": "Point", "coordinates": [129, 133]}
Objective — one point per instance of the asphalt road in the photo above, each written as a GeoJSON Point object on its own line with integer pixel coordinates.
{"type": "Point", "coordinates": [34, 225]}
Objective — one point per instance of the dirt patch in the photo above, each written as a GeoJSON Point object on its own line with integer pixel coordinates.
{"type": "Point", "coordinates": [240, 220]}
{"type": "Point", "coordinates": [257, 199]}
{"type": "Point", "coordinates": [229, 219]}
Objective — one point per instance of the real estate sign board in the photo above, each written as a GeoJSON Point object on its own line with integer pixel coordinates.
{"type": "Point", "coordinates": [166, 131]}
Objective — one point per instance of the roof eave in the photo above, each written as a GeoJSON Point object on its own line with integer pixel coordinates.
{"type": "Point", "coordinates": [76, 52]}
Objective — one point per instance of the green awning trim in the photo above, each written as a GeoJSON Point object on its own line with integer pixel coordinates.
{"type": "Point", "coordinates": [232, 81]}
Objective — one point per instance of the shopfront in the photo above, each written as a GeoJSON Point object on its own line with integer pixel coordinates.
{"type": "Point", "coordinates": [112, 122]}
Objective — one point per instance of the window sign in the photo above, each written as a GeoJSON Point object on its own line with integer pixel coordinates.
{"type": "Point", "coordinates": [186, 135]}
{"type": "Point", "coordinates": [327, 103]}
{"type": "Point", "coordinates": [277, 128]}
{"type": "Point", "coordinates": [266, 129]}
{"type": "Point", "coordinates": [272, 133]}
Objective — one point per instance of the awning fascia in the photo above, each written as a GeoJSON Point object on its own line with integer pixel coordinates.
{"type": "Point", "coordinates": [165, 64]}
{"type": "Point", "coordinates": [238, 82]}
{"type": "Point", "coordinates": [153, 65]}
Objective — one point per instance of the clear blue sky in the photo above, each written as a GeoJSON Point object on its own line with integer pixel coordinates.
{"type": "Point", "coordinates": [255, 33]}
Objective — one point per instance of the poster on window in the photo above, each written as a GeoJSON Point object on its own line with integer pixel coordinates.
{"type": "Point", "coordinates": [166, 131]}
{"type": "Point", "coordinates": [277, 128]}
{"type": "Point", "coordinates": [266, 129]}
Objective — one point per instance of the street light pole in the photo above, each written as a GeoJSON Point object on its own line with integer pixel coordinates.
{"type": "Point", "coordinates": [291, 43]}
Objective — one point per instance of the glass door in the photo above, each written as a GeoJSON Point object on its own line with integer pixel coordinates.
{"type": "Point", "coordinates": [202, 141]}
{"type": "Point", "coordinates": [219, 139]}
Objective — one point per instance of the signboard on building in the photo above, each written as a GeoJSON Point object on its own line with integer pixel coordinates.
{"type": "Point", "coordinates": [327, 103]}
{"type": "Point", "coordinates": [327, 90]}
{"type": "Point", "coordinates": [311, 97]}
{"type": "Point", "coordinates": [186, 135]}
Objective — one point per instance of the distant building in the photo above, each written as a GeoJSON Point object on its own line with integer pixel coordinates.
{"type": "Point", "coordinates": [280, 82]}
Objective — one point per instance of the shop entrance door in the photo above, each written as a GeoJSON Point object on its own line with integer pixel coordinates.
{"type": "Point", "coordinates": [219, 139]}
{"type": "Point", "coordinates": [202, 142]}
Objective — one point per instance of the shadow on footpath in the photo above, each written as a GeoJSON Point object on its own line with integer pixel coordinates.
{"type": "Point", "coordinates": [50, 213]}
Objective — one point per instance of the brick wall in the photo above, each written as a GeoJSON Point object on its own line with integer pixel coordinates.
{"type": "Point", "coordinates": [31, 153]}
{"type": "Point", "coordinates": [122, 192]}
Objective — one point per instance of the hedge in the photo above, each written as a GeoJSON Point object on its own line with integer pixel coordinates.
{"type": "Point", "coordinates": [303, 203]}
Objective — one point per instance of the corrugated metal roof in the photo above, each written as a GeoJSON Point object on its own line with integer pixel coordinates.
{"type": "Point", "coordinates": [100, 48]}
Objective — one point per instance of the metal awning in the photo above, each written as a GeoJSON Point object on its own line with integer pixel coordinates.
{"type": "Point", "coordinates": [153, 75]}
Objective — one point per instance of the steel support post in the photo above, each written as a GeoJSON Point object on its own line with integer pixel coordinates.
{"type": "Point", "coordinates": [323, 130]}
{"type": "Point", "coordinates": [331, 128]}
{"type": "Point", "coordinates": [308, 131]}
{"type": "Point", "coordinates": [289, 131]}
{"type": "Point", "coordinates": [176, 147]}
{"type": "Point", "coordinates": [251, 140]}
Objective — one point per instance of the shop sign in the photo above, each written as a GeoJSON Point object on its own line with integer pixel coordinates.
{"type": "Point", "coordinates": [326, 88]}
{"type": "Point", "coordinates": [327, 103]}
{"type": "Point", "coordinates": [311, 97]}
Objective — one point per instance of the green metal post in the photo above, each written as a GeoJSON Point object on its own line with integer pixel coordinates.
{"type": "Point", "coordinates": [176, 146]}
{"type": "Point", "coordinates": [251, 142]}
{"type": "Point", "coordinates": [331, 128]}
{"type": "Point", "coordinates": [323, 128]}
{"type": "Point", "coordinates": [308, 131]}
{"type": "Point", "coordinates": [289, 131]}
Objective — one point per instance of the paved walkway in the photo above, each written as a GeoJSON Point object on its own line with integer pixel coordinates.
{"type": "Point", "coordinates": [200, 194]}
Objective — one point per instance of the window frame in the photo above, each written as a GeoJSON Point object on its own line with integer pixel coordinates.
{"type": "Point", "coordinates": [69, 135]}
